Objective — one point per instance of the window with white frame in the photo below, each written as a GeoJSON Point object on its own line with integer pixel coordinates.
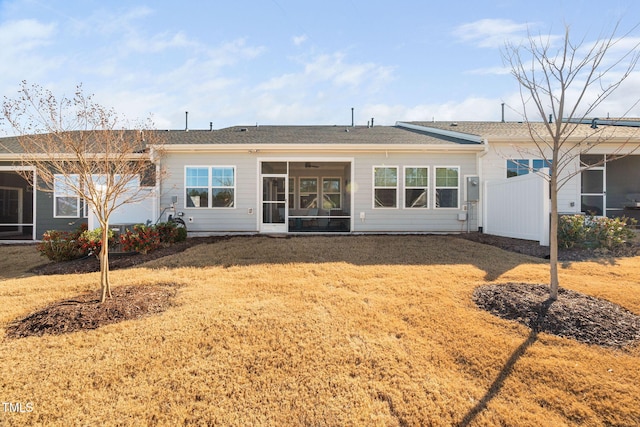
{"type": "Point", "coordinates": [385, 187]}
{"type": "Point", "coordinates": [416, 187]}
{"type": "Point", "coordinates": [331, 194]}
{"type": "Point", "coordinates": [66, 203]}
{"type": "Point", "coordinates": [223, 184]}
{"type": "Point", "coordinates": [447, 186]}
{"type": "Point", "coordinates": [210, 187]}
{"type": "Point", "coordinates": [308, 193]}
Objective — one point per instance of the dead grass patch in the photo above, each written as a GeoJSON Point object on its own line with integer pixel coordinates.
{"type": "Point", "coordinates": [358, 330]}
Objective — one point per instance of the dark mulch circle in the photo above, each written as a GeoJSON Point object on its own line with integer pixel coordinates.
{"type": "Point", "coordinates": [84, 311]}
{"type": "Point", "coordinates": [573, 315]}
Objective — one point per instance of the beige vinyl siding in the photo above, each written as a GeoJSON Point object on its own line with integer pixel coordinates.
{"type": "Point", "coordinates": [402, 219]}
{"type": "Point", "coordinates": [235, 219]}
{"type": "Point", "coordinates": [360, 199]}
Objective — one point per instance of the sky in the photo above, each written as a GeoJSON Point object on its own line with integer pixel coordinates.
{"type": "Point", "coordinates": [293, 62]}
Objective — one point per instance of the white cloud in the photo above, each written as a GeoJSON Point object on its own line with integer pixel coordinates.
{"type": "Point", "coordinates": [333, 70]}
{"type": "Point", "coordinates": [491, 33]}
{"type": "Point", "coordinates": [299, 40]}
{"type": "Point", "coordinates": [20, 57]}
{"type": "Point", "coordinates": [26, 34]}
{"type": "Point", "coordinates": [490, 71]}
{"type": "Point", "coordinates": [159, 43]}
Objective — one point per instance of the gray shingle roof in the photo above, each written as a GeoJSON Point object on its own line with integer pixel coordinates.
{"type": "Point", "coordinates": [10, 144]}
{"type": "Point", "coordinates": [309, 135]}
{"type": "Point", "coordinates": [520, 130]}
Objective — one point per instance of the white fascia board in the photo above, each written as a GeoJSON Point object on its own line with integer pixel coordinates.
{"type": "Point", "coordinates": [323, 147]}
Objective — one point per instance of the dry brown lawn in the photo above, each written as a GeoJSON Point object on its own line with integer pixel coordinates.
{"type": "Point", "coordinates": [357, 330]}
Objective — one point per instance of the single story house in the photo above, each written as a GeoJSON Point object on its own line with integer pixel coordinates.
{"type": "Point", "coordinates": [413, 177]}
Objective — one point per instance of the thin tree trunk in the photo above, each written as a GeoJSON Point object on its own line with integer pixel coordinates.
{"type": "Point", "coordinates": [553, 239]}
{"type": "Point", "coordinates": [105, 285]}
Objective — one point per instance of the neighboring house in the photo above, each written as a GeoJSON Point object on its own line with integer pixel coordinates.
{"type": "Point", "coordinates": [416, 177]}
{"type": "Point", "coordinates": [26, 214]}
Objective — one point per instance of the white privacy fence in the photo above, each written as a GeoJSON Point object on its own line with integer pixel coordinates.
{"type": "Point", "coordinates": [518, 207]}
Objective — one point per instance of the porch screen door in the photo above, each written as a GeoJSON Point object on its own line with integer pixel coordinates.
{"type": "Point", "coordinates": [274, 203]}
{"type": "Point", "coordinates": [593, 186]}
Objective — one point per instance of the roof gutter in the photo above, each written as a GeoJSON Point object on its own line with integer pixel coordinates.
{"type": "Point", "coordinates": [322, 147]}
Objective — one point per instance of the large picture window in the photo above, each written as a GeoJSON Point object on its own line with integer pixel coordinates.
{"type": "Point", "coordinates": [385, 187]}
{"type": "Point", "coordinates": [416, 187]}
{"type": "Point", "coordinates": [66, 203]}
{"type": "Point", "coordinates": [447, 186]}
{"type": "Point", "coordinates": [210, 187]}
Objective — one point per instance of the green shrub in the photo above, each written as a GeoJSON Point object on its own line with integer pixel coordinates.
{"type": "Point", "coordinates": [587, 231]}
{"type": "Point", "coordinates": [611, 233]}
{"type": "Point", "coordinates": [170, 233]}
{"type": "Point", "coordinates": [90, 241]}
{"type": "Point", "coordinates": [62, 245]}
{"type": "Point", "coordinates": [571, 231]}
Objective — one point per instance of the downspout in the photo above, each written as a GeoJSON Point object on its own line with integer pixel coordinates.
{"type": "Point", "coordinates": [481, 205]}
{"type": "Point", "coordinates": [157, 206]}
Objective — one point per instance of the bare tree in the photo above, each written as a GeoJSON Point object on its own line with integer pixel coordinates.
{"type": "Point", "coordinates": [568, 83]}
{"type": "Point", "coordinates": [87, 149]}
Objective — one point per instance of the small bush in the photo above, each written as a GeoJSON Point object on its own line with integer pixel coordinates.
{"type": "Point", "coordinates": [61, 245]}
{"type": "Point", "coordinates": [170, 233]}
{"type": "Point", "coordinates": [611, 233]}
{"type": "Point", "coordinates": [586, 231]}
{"type": "Point", "coordinates": [90, 241]}
{"type": "Point", "coordinates": [142, 239]}
{"type": "Point", "coordinates": [68, 245]}
{"type": "Point", "coordinates": [571, 231]}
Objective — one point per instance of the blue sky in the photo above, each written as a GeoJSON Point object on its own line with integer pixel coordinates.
{"type": "Point", "coordinates": [299, 62]}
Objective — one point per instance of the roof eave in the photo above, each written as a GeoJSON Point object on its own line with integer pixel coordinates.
{"type": "Point", "coordinates": [323, 147]}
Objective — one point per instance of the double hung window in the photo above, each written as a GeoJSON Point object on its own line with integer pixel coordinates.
{"type": "Point", "coordinates": [308, 193]}
{"type": "Point", "coordinates": [66, 202]}
{"type": "Point", "coordinates": [447, 187]}
{"type": "Point", "coordinates": [416, 187]}
{"type": "Point", "coordinates": [385, 187]}
{"type": "Point", "coordinates": [331, 194]}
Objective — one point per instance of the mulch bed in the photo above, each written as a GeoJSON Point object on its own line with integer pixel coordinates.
{"type": "Point", "coordinates": [84, 312]}
{"type": "Point", "coordinates": [573, 315]}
